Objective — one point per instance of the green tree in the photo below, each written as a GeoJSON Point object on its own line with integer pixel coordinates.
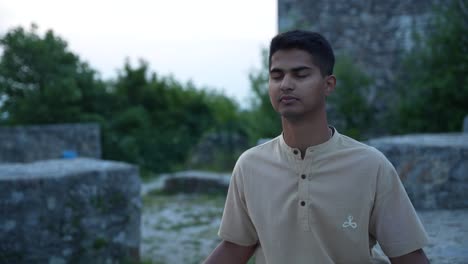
{"type": "Point", "coordinates": [146, 119]}
{"type": "Point", "coordinates": [41, 81]}
{"type": "Point", "coordinates": [263, 121]}
{"type": "Point", "coordinates": [157, 120]}
{"type": "Point", "coordinates": [434, 80]}
{"type": "Point", "coordinates": [349, 107]}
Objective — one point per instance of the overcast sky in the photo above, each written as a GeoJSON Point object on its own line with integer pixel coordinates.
{"type": "Point", "coordinates": [214, 43]}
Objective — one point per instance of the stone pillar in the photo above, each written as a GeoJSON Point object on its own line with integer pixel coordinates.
{"type": "Point", "coordinates": [69, 211]}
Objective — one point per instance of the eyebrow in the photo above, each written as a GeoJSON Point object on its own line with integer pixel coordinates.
{"type": "Point", "coordinates": [295, 69]}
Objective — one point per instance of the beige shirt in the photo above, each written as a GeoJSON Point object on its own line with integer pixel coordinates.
{"type": "Point", "coordinates": [330, 207]}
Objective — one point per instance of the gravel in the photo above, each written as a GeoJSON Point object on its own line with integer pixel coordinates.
{"type": "Point", "coordinates": [183, 229]}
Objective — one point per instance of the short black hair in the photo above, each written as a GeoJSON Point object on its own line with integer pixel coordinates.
{"type": "Point", "coordinates": [312, 42]}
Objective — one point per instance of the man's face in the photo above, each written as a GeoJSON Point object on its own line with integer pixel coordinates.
{"type": "Point", "coordinates": [297, 88]}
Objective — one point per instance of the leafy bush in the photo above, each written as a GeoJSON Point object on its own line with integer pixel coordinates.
{"type": "Point", "coordinates": [145, 119]}
{"type": "Point", "coordinates": [434, 82]}
{"type": "Point", "coordinates": [349, 106]}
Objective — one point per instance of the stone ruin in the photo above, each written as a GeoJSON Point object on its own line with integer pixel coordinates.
{"type": "Point", "coordinates": [71, 210]}
{"type": "Point", "coordinates": [196, 182]}
{"type": "Point", "coordinates": [374, 32]}
{"type": "Point", "coordinates": [432, 167]}
{"type": "Point", "coordinates": [32, 143]}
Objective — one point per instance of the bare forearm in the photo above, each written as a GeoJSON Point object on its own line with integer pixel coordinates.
{"type": "Point", "coordinates": [230, 253]}
{"type": "Point", "coordinates": [415, 257]}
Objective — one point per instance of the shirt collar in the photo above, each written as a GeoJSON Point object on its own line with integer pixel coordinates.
{"type": "Point", "coordinates": [327, 145]}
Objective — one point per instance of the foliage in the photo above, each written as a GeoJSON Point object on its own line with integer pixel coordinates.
{"type": "Point", "coordinates": [145, 119]}
{"type": "Point", "coordinates": [349, 108]}
{"type": "Point", "coordinates": [42, 82]}
{"type": "Point", "coordinates": [262, 119]}
{"type": "Point", "coordinates": [158, 120]}
{"type": "Point", "coordinates": [434, 82]}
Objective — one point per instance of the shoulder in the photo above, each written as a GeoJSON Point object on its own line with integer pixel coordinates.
{"type": "Point", "coordinates": [260, 151]}
{"type": "Point", "coordinates": [361, 150]}
{"type": "Point", "coordinates": [258, 154]}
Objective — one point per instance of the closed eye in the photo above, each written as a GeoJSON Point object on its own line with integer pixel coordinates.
{"type": "Point", "coordinates": [276, 75]}
{"type": "Point", "coordinates": [302, 73]}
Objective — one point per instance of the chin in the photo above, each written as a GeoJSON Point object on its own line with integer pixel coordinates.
{"type": "Point", "coordinates": [291, 115]}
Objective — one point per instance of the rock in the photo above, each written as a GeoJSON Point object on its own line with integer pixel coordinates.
{"type": "Point", "coordinates": [63, 211]}
{"type": "Point", "coordinates": [33, 143]}
{"type": "Point", "coordinates": [197, 182]}
{"type": "Point", "coordinates": [432, 167]}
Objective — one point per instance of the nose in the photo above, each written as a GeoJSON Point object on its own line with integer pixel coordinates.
{"type": "Point", "coordinates": [287, 83]}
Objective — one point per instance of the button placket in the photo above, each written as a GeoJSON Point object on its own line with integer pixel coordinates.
{"type": "Point", "coordinates": [309, 168]}
{"type": "Point", "coordinates": [301, 168]}
{"type": "Point", "coordinates": [303, 188]}
{"type": "Point", "coordinates": [302, 195]}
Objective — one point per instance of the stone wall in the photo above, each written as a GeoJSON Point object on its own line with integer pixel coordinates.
{"type": "Point", "coordinates": [373, 32]}
{"type": "Point", "coordinates": [32, 143]}
{"type": "Point", "coordinates": [69, 211]}
{"type": "Point", "coordinates": [433, 167]}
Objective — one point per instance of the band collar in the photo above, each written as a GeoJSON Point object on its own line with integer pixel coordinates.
{"type": "Point", "coordinates": [312, 149]}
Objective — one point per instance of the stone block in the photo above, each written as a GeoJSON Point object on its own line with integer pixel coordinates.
{"type": "Point", "coordinates": [196, 182]}
{"type": "Point", "coordinates": [432, 167]}
{"type": "Point", "coordinates": [69, 211]}
{"type": "Point", "coordinates": [43, 142]}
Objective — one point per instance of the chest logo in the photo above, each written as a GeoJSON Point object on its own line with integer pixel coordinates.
{"type": "Point", "coordinates": [349, 223]}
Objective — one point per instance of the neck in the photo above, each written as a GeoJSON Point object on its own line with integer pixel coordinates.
{"type": "Point", "coordinates": [302, 134]}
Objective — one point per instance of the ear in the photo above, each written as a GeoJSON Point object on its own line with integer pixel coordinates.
{"type": "Point", "coordinates": [330, 83]}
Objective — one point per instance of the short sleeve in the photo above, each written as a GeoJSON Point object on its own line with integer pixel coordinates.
{"type": "Point", "coordinates": [236, 225]}
{"type": "Point", "coordinates": [394, 222]}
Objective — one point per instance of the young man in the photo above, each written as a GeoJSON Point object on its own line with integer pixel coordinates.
{"type": "Point", "coordinates": [312, 195]}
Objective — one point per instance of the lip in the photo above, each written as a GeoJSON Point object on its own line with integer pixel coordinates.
{"type": "Point", "coordinates": [288, 98]}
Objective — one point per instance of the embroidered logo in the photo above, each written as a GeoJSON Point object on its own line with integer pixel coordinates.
{"type": "Point", "coordinates": [350, 223]}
